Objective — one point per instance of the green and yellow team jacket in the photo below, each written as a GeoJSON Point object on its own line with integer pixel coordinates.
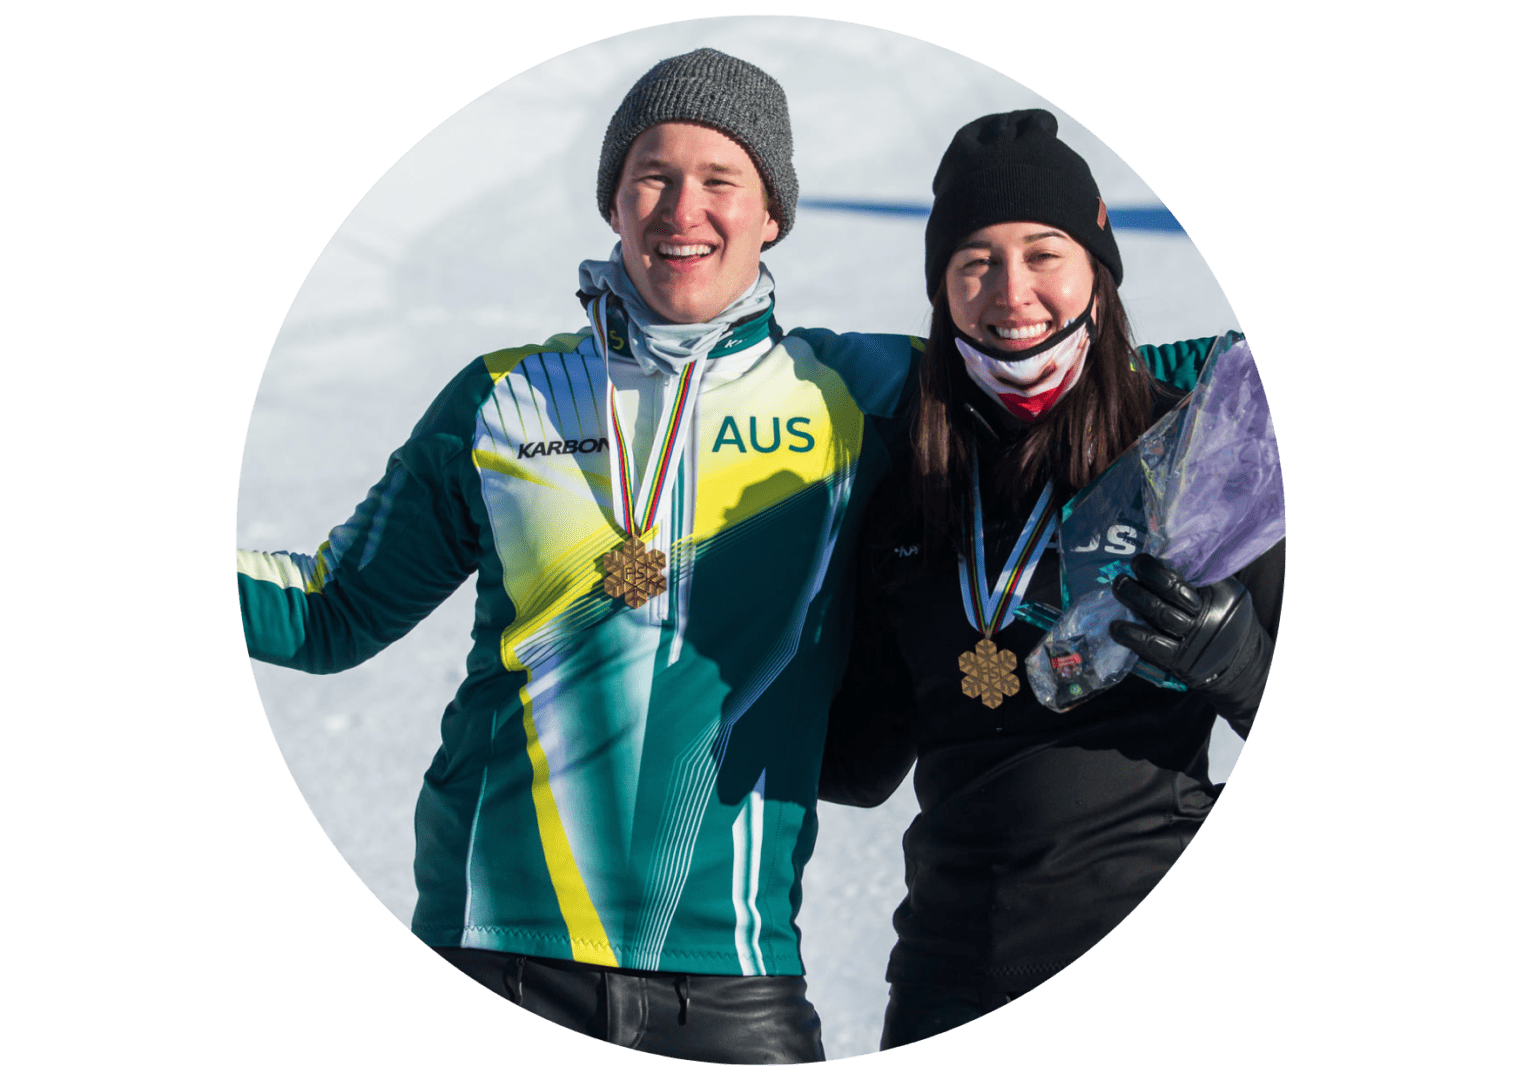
{"type": "Point", "coordinates": [629, 787]}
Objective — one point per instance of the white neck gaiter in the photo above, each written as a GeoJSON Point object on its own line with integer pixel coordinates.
{"type": "Point", "coordinates": [664, 347]}
{"type": "Point", "coordinates": [1043, 374]}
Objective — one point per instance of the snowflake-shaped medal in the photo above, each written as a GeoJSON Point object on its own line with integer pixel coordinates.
{"type": "Point", "coordinates": [634, 574]}
{"type": "Point", "coordinates": [990, 673]}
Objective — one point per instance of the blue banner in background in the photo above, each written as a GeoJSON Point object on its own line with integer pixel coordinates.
{"type": "Point", "coordinates": [1139, 218]}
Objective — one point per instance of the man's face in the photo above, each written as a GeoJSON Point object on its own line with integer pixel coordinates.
{"type": "Point", "coordinates": [690, 209]}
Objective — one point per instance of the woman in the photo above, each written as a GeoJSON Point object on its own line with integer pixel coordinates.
{"type": "Point", "coordinates": [1038, 831]}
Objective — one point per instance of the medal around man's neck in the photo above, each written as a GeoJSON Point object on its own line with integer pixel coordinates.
{"type": "Point", "coordinates": [634, 575]}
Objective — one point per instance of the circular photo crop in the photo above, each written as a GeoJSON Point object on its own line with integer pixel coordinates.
{"type": "Point", "coordinates": [754, 498]}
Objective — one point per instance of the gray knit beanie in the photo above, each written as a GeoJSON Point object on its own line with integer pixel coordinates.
{"type": "Point", "coordinates": [709, 87]}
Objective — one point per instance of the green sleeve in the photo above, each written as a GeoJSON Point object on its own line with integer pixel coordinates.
{"type": "Point", "coordinates": [876, 368]}
{"type": "Point", "coordinates": [1177, 364]}
{"type": "Point", "coordinates": [406, 548]}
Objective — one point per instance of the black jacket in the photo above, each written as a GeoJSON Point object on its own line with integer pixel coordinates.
{"type": "Point", "coordinates": [1038, 831]}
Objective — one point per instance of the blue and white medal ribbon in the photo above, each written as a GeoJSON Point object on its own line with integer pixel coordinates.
{"type": "Point", "coordinates": [989, 672]}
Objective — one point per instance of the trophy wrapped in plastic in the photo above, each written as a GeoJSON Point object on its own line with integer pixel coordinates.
{"type": "Point", "coordinates": [1201, 490]}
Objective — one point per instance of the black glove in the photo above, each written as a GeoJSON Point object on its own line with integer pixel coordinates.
{"type": "Point", "coordinates": [1207, 635]}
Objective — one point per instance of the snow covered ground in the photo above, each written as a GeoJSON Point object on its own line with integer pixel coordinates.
{"type": "Point", "coordinates": [471, 243]}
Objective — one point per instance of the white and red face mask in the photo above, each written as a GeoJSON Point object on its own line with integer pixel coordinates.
{"type": "Point", "coordinates": [1028, 382]}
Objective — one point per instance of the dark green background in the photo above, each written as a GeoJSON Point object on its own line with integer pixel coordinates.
{"type": "Point", "coordinates": [174, 169]}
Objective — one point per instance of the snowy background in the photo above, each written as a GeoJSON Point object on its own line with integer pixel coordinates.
{"type": "Point", "coordinates": [470, 243]}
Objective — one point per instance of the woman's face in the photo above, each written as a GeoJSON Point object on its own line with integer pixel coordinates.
{"type": "Point", "coordinates": [1013, 285]}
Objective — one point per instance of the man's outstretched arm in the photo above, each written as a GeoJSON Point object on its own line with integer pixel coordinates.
{"type": "Point", "coordinates": [406, 548]}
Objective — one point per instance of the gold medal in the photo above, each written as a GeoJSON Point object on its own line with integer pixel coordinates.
{"type": "Point", "coordinates": [634, 575]}
{"type": "Point", "coordinates": [989, 673]}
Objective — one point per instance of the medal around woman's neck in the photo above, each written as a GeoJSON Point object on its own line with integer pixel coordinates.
{"type": "Point", "coordinates": [635, 574]}
{"type": "Point", "coordinates": [989, 671]}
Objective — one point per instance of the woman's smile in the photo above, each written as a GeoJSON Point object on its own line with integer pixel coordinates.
{"type": "Point", "coordinates": [1022, 336]}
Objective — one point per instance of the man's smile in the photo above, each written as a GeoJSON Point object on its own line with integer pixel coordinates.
{"type": "Point", "coordinates": [667, 250]}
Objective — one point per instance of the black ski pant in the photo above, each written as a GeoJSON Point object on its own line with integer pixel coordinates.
{"type": "Point", "coordinates": [918, 1012]}
{"type": "Point", "coordinates": [728, 1019]}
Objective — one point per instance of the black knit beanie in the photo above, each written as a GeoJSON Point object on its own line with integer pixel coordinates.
{"type": "Point", "coordinates": [709, 87]}
{"type": "Point", "coordinates": [1012, 167]}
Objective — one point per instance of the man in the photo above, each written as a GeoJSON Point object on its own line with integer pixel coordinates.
{"type": "Point", "coordinates": [658, 509]}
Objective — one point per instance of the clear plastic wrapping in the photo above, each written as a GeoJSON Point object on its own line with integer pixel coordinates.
{"type": "Point", "coordinates": [1201, 490]}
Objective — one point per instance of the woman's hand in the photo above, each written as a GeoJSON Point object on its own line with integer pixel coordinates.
{"type": "Point", "coordinates": [1208, 636]}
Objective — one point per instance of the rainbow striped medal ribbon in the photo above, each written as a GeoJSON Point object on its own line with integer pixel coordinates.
{"type": "Point", "coordinates": [989, 671]}
{"type": "Point", "coordinates": [632, 572]}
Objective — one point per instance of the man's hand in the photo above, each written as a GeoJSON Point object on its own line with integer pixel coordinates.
{"type": "Point", "coordinates": [1208, 635]}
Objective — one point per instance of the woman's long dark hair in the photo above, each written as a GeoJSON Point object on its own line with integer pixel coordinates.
{"type": "Point", "coordinates": [1103, 414]}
